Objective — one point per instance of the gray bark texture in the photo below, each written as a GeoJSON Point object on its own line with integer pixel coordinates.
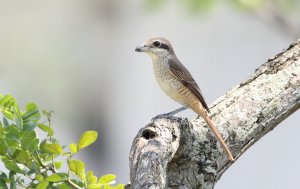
{"type": "Point", "coordinates": [173, 152]}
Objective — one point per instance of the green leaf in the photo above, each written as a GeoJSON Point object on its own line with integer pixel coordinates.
{"type": "Point", "coordinates": [8, 114]}
{"type": "Point", "coordinates": [77, 167]}
{"type": "Point", "coordinates": [22, 157]}
{"type": "Point", "coordinates": [3, 179]}
{"type": "Point", "coordinates": [12, 179]}
{"type": "Point", "coordinates": [5, 99]}
{"type": "Point", "coordinates": [42, 185]}
{"type": "Point", "coordinates": [52, 148]}
{"type": "Point", "coordinates": [34, 167]}
{"type": "Point", "coordinates": [46, 128]}
{"type": "Point", "coordinates": [3, 184]}
{"type": "Point", "coordinates": [16, 108]}
{"type": "Point", "coordinates": [58, 164]}
{"type": "Point", "coordinates": [39, 177]}
{"type": "Point", "coordinates": [94, 186]}
{"type": "Point", "coordinates": [19, 122]}
{"type": "Point", "coordinates": [86, 139]}
{"type": "Point", "coordinates": [31, 106]}
{"type": "Point", "coordinates": [45, 113]}
{"type": "Point", "coordinates": [12, 136]}
{"type": "Point", "coordinates": [55, 178]}
{"type": "Point", "coordinates": [3, 147]}
{"type": "Point", "coordinates": [63, 186]}
{"type": "Point", "coordinates": [107, 179]}
{"type": "Point", "coordinates": [11, 165]}
{"type": "Point", "coordinates": [31, 115]}
{"type": "Point", "coordinates": [91, 178]}
{"type": "Point", "coordinates": [29, 140]}
{"type": "Point", "coordinates": [78, 182]}
{"type": "Point", "coordinates": [3, 176]}
{"type": "Point", "coordinates": [73, 148]}
{"type": "Point", "coordinates": [9, 104]}
{"type": "Point", "coordinates": [29, 125]}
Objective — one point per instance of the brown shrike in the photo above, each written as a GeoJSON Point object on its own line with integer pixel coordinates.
{"type": "Point", "coordinates": [177, 82]}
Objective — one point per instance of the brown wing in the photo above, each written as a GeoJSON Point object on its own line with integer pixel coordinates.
{"type": "Point", "coordinates": [183, 75]}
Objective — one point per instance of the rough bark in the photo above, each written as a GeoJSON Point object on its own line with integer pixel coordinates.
{"type": "Point", "coordinates": [177, 153]}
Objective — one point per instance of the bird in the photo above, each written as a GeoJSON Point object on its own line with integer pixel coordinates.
{"type": "Point", "coordinates": [178, 83]}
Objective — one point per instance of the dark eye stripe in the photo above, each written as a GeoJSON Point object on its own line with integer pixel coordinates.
{"type": "Point", "coordinates": [164, 46]}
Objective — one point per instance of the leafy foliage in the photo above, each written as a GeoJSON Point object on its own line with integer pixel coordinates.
{"type": "Point", "coordinates": [31, 162]}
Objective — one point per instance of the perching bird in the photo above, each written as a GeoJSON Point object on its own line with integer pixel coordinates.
{"type": "Point", "coordinates": [177, 82]}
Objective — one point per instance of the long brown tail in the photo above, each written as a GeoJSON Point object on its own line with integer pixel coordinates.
{"type": "Point", "coordinates": [214, 129]}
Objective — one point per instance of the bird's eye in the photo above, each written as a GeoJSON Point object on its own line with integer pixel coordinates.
{"type": "Point", "coordinates": [156, 43]}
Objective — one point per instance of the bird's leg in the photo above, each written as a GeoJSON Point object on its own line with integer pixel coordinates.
{"type": "Point", "coordinates": [175, 111]}
{"type": "Point", "coordinates": [170, 113]}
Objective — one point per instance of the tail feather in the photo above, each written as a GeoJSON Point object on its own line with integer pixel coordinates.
{"type": "Point", "coordinates": [200, 109]}
{"type": "Point", "coordinates": [217, 134]}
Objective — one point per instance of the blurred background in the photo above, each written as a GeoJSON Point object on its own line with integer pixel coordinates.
{"type": "Point", "coordinates": [77, 58]}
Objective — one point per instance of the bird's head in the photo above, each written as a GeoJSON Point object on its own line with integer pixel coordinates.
{"type": "Point", "coordinates": [156, 47]}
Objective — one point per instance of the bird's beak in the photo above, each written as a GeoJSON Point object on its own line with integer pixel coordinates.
{"type": "Point", "coordinates": [142, 49]}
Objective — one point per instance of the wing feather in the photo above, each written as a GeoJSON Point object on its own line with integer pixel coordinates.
{"type": "Point", "coordinates": [184, 76]}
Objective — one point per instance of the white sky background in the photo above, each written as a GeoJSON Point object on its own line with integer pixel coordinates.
{"type": "Point", "coordinates": [77, 58]}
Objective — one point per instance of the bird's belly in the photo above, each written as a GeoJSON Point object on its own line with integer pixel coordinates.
{"type": "Point", "coordinates": [174, 89]}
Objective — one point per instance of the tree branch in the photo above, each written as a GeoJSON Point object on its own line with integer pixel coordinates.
{"type": "Point", "coordinates": [176, 153]}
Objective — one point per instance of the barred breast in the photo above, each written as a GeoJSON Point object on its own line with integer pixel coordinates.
{"type": "Point", "coordinates": [171, 85]}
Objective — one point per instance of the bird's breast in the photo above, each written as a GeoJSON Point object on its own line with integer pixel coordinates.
{"type": "Point", "coordinates": [170, 84]}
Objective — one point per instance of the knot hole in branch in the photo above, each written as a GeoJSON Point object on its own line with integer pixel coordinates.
{"type": "Point", "coordinates": [149, 133]}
